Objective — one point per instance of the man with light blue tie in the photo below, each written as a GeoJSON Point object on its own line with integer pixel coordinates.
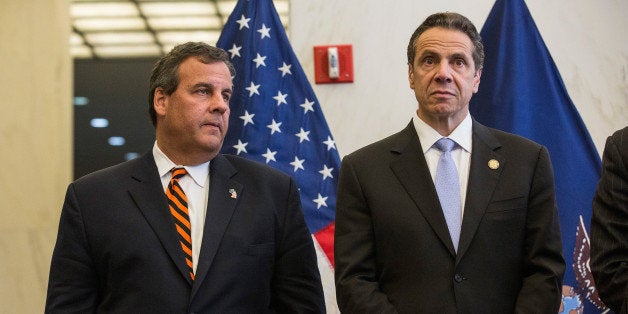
{"type": "Point", "coordinates": [448, 215]}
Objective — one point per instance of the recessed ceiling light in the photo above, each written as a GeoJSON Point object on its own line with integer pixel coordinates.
{"type": "Point", "coordinates": [210, 37]}
{"type": "Point", "coordinates": [116, 141]}
{"type": "Point", "coordinates": [109, 24]}
{"type": "Point", "coordinates": [127, 51]}
{"type": "Point", "coordinates": [131, 155]}
{"type": "Point", "coordinates": [76, 39]}
{"type": "Point", "coordinates": [99, 123]}
{"type": "Point", "coordinates": [152, 9]}
{"type": "Point", "coordinates": [120, 38]}
{"type": "Point", "coordinates": [115, 9]}
{"type": "Point", "coordinates": [194, 22]}
{"type": "Point", "coordinates": [100, 23]}
{"type": "Point", "coordinates": [81, 101]}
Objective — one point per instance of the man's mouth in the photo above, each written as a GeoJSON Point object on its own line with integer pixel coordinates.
{"type": "Point", "coordinates": [442, 93]}
{"type": "Point", "coordinates": [211, 124]}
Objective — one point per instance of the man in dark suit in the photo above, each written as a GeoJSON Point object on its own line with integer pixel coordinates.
{"type": "Point", "coordinates": [240, 244]}
{"type": "Point", "coordinates": [609, 225]}
{"type": "Point", "coordinates": [498, 248]}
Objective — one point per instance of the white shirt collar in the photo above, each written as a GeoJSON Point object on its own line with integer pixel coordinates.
{"type": "Point", "coordinates": [198, 172]}
{"type": "Point", "coordinates": [462, 134]}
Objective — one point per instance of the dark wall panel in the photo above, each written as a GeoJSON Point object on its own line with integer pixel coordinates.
{"type": "Point", "coordinates": [116, 90]}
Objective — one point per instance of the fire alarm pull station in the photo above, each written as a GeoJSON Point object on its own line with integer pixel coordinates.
{"type": "Point", "coordinates": [333, 64]}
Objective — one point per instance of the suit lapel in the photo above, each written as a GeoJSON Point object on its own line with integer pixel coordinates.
{"type": "Point", "coordinates": [416, 179]}
{"type": "Point", "coordinates": [482, 182]}
{"type": "Point", "coordinates": [150, 198]}
{"type": "Point", "coordinates": [223, 198]}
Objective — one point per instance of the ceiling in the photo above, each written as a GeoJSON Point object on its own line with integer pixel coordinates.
{"type": "Point", "coordinates": [103, 29]}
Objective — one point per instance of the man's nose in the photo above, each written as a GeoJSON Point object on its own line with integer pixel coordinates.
{"type": "Point", "coordinates": [443, 73]}
{"type": "Point", "coordinates": [217, 103]}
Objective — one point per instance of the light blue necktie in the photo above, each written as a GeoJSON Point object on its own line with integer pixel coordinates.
{"type": "Point", "coordinates": [448, 188]}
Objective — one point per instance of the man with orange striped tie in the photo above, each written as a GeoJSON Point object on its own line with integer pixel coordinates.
{"type": "Point", "coordinates": [185, 229]}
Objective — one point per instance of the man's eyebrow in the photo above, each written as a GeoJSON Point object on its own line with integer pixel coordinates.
{"type": "Point", "coordinates": [212, 86]}
{"type": "Point", "coordinates": [427, 52]}
{"type": "Point", "coordinates": [202, 84]}
{"type": "Point", "coordinates": [459, 55]}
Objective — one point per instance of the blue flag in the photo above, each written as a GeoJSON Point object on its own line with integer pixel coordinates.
{"type": "Point", "coordinates": [521, 91]}
{"type": "Point", "coordinates": [276, 119]}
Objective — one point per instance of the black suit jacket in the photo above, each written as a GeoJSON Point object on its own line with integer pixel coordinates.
{"type": "Point", "coordinates": [117, 249]}
{"type": "Point", "coordinates": [393, 251]}
{"type": "Point", "coordinates": [609, 225]}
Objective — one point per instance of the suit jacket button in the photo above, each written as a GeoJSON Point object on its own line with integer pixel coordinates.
{"type": "Point", "coordinates": [458, 278]}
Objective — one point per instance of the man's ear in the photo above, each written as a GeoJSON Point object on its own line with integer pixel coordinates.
{"type": "Point", "coordinates": [410, 76]}
{"type": "Point", "coordinates": [476, 80]}
{"type": "Point", "coordinates": [159, 101]}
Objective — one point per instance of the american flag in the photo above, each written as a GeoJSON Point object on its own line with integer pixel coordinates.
{"type": "Point", "coordinates": [276, 119]}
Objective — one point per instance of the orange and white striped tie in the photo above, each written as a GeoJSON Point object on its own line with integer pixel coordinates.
{"type": "Point", "coordinates": [178, 204]}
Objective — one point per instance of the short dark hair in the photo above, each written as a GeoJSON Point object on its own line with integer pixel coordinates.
{"type": "Point", "coordinates": [165, 72]}
{"type": "Point", "coordinates": [453, 21]}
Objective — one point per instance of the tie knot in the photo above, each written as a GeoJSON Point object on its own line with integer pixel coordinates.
{"type": "Point", "coordinates": [178, 173]}
{"type": "Point", "coordinates": [445, 144]}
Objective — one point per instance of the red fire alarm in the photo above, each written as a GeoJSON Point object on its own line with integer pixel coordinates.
{"type": "Point", "coordinates": [333, 64]}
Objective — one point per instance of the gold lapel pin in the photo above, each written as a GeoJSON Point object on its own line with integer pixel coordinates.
{"type": "Point", "coordinates": [493, 164]}
{"type": "Point", "coordinates": [233, 193]}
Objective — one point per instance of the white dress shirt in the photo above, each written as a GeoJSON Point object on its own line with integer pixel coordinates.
{"type": "Point", "coordinates": [195, 185]}
{"type": "Point", "coordinates": [461, 153]}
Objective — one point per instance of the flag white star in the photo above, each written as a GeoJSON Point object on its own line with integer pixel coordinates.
{"type": "Point", "coordinates": [297, 163]}
{"type": "Point", "coordinates": [326, 172]}
{"type": "Point", "coordinates": [243, 21]}
{"type": "Point", "coordinates": [264, 31]}
{"type": "Point", "coordinates": [235, 51]}
{"type": "Point", "coordinates": [307, 106]}
{"type": "Point", "coordinates": [320, 201]}
{"type": "Point", "coordinates": [241, 147]}
{"type": "Point", "coordinates": [269, 155]}
{"type": "Point", "coordinates": [303, 135]}
{"type": "Point", "coordinates": [274, 127]}
{"type": "Point", "coordinates": [285, 69]}
{"type": "Point", "coordinates": [330, 143]}
{"type": "Point", "coordinates": [253, 89]}
{"type": "Point", "coordinates": [280, 98]}
{"type": "Point", "coordinates": [259, 60]}
{"type": "Point", "coordinates": [248, 118]}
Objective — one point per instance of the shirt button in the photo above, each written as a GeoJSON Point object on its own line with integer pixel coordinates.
{"type": "Point", "coordinates": [458, 278]}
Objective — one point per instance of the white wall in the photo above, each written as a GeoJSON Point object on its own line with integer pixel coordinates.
{"type": "Point", "coordinates": [36, 139]}
{"type": "Point", "coordinates": [587, 40]}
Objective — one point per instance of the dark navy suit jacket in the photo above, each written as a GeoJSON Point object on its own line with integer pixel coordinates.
{"type": "Point", "coordinates": [393, 251]}
{"type": "Point", "coordinates": [117, 249]}
{"type": "Point", "coordinates": [609, 225]}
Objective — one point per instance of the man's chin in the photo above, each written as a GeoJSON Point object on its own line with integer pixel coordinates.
{"type": "Point", "coordinates": [213, 145]}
